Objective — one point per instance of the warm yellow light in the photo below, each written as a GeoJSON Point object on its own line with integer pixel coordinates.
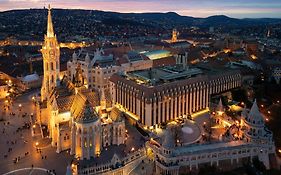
{"type": "Point", "coordinates": [254, 57]}
{"type": "Point", "coordinates": [36, 143]}
{"type": "Point", "coordinates": [133, 149]}
{"type": "Point", "coordinates": [268, 112]}
{"type": "Point", "coordinates": [226, 50]}
{"type": "Point", "coordinates": [262, 106]}
{"type": "Point", "coordinates": [33, 98]}
{"type": "Point", "coordinates": [34, 126]}
{"type": "Point", "coordinates": [20, 105]}
{"type": "Point", "coordinates": [279, 150]}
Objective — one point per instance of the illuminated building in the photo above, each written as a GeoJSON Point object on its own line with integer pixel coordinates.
{"type": "Point", "coordinates": [97, 67]}
{"type": "Point", "coordinates": [71, 111]}
{"type": "Point", "coordinates": [175, 34]}
{"type": "Point", "coordinates": [176, 43]}
{"type": "Point", "coordinates": [162, 94]}
{"type": "Point", "coordinates": [51, 59]}
{"type": "Point", "coordinates": [4, 88]}
{"type": "Point", "coordinates": [247, 141]}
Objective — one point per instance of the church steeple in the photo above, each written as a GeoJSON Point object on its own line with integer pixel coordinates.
{"type": "Point", "coordinates": [51, 59]}
{"type": "Point", "coordinates": [50, 28]}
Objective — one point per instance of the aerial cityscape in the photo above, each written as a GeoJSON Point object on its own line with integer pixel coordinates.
{"type": "Point", "coordinates": [140, 87]}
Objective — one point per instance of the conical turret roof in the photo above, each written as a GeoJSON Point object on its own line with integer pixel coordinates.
{"type": "Point", "coordinates": [220, 106]}
{"type": "Point", "coordinates": [255, 115]}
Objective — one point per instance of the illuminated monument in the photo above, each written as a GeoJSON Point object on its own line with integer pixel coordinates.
{"type": "Point", "coordinates": [175, 34]}
{"type": "Point", "coordinates": [71, 111]}
{"type": "Point", "coordinates": [51, 59]}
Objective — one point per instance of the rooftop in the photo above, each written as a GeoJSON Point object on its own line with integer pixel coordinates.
{"type": "Point", "coordinates": [161, 75]}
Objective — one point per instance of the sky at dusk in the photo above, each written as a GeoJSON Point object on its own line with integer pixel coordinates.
{"type": "Point", "coordinates": [196, 8]}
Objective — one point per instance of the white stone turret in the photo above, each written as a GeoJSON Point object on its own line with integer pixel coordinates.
{"type": "Point", "coordinates": [87, 58]}
{"type": "Point", "coordinates": [74, 56]}
{"type": "Point", "coordinates": [220, 108]}
{"type": "Point", "coordinates": [255, 130]}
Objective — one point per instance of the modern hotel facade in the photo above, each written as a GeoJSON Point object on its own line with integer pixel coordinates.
{"type": "Point", "coordinates": [158, 95]}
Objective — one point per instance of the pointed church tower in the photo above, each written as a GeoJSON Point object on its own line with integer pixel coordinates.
{"type": "Point", "coordinates": [175, 34]}
{"type": "Point", "coordinates": [51, 59]}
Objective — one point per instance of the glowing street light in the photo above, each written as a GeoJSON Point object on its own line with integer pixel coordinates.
{"type": "Point", "coordinates": [37, 143]}
{"type": "Point", "coordinates": [268, 112]}
{"type": "Point", "coordinates": [20, 105]}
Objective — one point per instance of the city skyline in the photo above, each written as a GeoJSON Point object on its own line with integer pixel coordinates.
{"type": "Point", "coordinates": [204, 8]}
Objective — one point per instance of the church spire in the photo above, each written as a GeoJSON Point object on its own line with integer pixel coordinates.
{"type": "Point", "coordinates": [50, 29]}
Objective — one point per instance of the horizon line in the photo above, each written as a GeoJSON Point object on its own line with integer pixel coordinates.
{"type": "Point", "coordinates": [138, 12]}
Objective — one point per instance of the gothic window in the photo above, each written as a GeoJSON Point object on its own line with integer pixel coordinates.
{"type": "Point", "coordinates": [120, 131]}
{"type": "Point", "coordinates": [52, 66]}
{"type": "Point", "coordinates": [52, 80]}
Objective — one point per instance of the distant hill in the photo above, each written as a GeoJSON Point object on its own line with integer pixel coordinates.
{"type": "Point", "coordinates": [170, 18]}
{"type": "Point", "coordinates": [94, 23]}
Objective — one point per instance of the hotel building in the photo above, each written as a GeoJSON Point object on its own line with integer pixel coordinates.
{"type": "Point", "coordinates": [157, 95]}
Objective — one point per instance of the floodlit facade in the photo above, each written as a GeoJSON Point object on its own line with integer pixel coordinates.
{"type": "Point", "coordinates": [231, 151]}
{"type": "Point", "coordinates": [97, 67]}
{"type": "Point", "coordinates": [71, 111]}
{"type": "Point", "coordinates": [162, 94]}
{"type": "Point", "coordinates": [51, 59]}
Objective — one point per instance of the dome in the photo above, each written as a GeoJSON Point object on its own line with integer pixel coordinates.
{"type": "Point", "coordinates": [87, 114]}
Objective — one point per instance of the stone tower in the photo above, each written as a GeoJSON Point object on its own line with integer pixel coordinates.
{"type": "Point", "coordinates": [51, 59]}
{"type": "Point", "coordinates": [175, 35]}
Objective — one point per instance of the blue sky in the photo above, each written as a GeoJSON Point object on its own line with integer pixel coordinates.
{"type": "Point", "coordinates": [197, 8]}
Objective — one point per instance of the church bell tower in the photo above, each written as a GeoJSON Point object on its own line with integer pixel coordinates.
{"type": "Point", "coordinates": [51, 59]}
